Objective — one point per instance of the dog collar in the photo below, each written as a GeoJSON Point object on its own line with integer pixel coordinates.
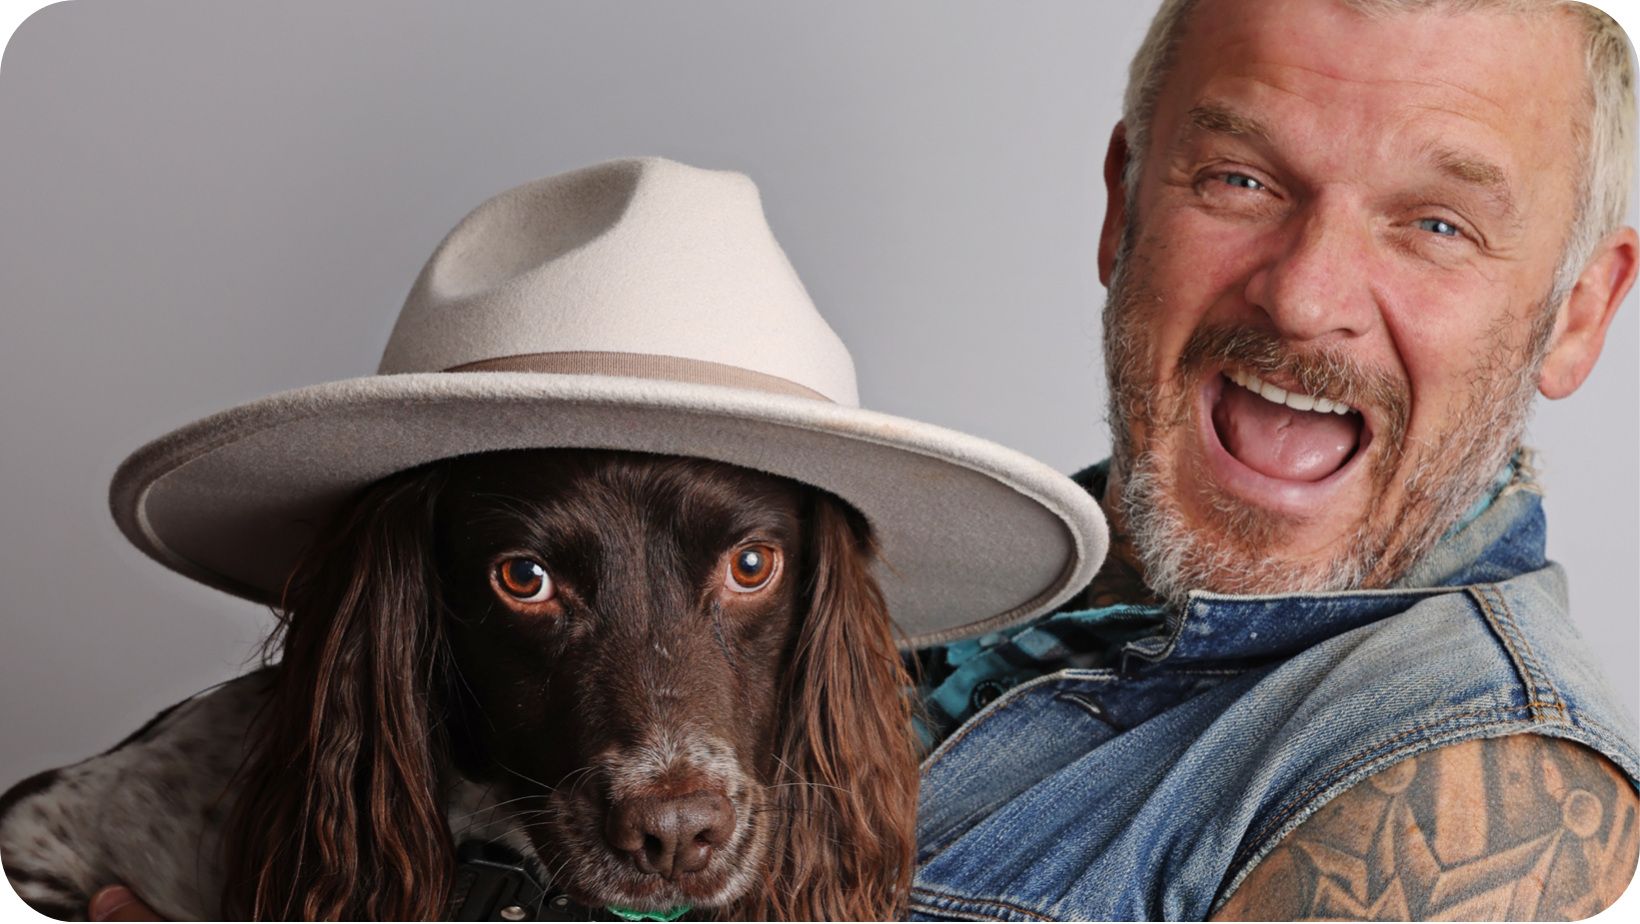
{"type": "Point", "coordinates": [629, 914]}
{"type": "Point", "coordinates": [495, 883]}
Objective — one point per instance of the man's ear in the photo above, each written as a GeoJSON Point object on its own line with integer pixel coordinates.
{"type": "Point", "coordinates": [1580, 326]}
{"type": "Point", "coordinates": [1110, 236]}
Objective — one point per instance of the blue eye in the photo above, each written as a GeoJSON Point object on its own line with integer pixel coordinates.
{"type": "Point", "coordinates": [1438, 226]}
{"type": "Point", "coordinates": [1242, 181]}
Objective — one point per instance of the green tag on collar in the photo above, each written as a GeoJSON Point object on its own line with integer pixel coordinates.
{"type": "Point", "coordinates": [628, 914]}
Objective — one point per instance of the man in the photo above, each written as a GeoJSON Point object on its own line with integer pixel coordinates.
{"type": "Point", "coordinates": [1327, 671]}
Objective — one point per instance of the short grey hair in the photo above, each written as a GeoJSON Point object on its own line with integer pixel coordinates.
{"type": "Point", "coordinates": [1606, 136]}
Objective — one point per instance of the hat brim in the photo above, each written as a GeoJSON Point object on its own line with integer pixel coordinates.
{"type": "Point", "coordinates": [973, 536]}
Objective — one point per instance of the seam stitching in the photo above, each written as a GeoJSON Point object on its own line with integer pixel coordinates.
{"type": "Point", "coordinates": [1540, 677]}
{"type": "Point", "coordinates": [938, 898]}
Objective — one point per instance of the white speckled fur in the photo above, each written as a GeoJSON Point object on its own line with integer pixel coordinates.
{"type": "Point", "coordinates": [148, 813]}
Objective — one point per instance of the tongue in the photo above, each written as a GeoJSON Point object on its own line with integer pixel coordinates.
{"type": "Point", "coordinates": [1278, 441]}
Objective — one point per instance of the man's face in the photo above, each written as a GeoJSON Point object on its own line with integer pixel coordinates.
{"type": "Point", "coordinates": [1365, 216]}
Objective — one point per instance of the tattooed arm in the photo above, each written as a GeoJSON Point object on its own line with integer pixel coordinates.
{"type": "Point", "coordinates": [1516, 828]}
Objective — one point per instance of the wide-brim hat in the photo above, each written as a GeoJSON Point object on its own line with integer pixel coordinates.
{"type": "Point", "coordinates": [636, 305]}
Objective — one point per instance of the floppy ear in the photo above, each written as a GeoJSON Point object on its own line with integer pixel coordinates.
{"type": "Point", "coordinates": [848, 758]}
{"type": "Point", "coordinates": [339, 815]}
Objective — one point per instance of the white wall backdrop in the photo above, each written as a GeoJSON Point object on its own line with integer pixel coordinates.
{"type": "Point", "coordinates": [204, 202]}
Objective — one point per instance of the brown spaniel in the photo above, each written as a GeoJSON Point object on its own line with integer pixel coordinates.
{"type": "Point", "coordinates": [671, 682]}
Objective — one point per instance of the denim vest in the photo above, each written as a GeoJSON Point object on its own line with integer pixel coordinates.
{"type": "Point", "coordinates": [1149, 787]}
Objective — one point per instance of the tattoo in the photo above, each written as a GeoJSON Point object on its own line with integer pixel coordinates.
{"type": "Point", "coordinates": [1516, 828]}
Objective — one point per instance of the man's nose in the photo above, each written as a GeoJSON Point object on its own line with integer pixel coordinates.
{"type": "Point", "coordinates": [1318, 282]}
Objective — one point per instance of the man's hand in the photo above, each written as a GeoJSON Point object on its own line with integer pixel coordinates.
{"type": "Point", "coordinates": [1518, 828]}
{"type": "Point", "coordinates": [117, 903]}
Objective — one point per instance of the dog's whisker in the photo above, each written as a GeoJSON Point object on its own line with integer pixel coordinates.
{"type": "Point", "coordinates": [491, 808]}
{"type": "Point", "coordinates": [523, 776]}
{"type": "Point", "coordinates": [515, 829]}
{"type": "Point", "coordinates": [808, 785]}
{"type": "Point", "coordinates": [577, 775]}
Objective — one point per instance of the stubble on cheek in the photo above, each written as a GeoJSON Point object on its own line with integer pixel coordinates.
{"type": "Point", "coordinates": [1447, 474]}
{"type": "Point", "coordinates": [1141, 404]}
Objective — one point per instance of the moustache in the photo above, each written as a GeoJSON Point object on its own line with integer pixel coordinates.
{"type": "Point", "coordinates": [1321, 371]}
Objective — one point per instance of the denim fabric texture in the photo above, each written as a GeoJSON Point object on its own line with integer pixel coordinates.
{"type": "Point", "coordinates": [1142, 775]}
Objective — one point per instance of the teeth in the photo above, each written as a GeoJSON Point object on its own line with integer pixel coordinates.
{"type": "Point", "coordinates": [1277, 395]}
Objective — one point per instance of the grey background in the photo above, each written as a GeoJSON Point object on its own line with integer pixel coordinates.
{"type": "Point", "coordinates": [202, 203]}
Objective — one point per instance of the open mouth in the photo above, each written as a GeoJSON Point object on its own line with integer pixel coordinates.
{"type": "Point", "coordinates": [1278, 445]}
{"type": "Point", "coordinates": [1284, 434]}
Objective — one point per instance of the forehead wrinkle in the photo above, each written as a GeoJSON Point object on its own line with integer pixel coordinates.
{"type": "Point", "coordinates": [1494, 106]}
{"type": "Point", "coordinates": [1299, 80]}
{"type": "Point", "coordinates": [1217, 117]}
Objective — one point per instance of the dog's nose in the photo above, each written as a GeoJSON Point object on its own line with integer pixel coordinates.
{"type": "Point", "coordinates": [669, 837]}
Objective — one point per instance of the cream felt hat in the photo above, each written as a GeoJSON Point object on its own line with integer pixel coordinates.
{"type": "Point", "coordinates": [639, 305]}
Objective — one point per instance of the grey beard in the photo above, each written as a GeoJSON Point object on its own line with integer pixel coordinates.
{"type": "Point", "coordinates": [1177, 560]}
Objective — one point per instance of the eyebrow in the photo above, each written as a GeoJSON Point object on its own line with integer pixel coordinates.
{"type": "Point", "coordinates": [1220, 120]}
{"type": "Point", "coordinates": [1478, 172]}
{"type": "Point", "coordinates": [1469, 169]}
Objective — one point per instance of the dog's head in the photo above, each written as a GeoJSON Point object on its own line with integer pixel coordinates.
{"type": "Point", "coordinates": [678, 675]}
{"type": "Point", "coordinates": [620, 626]}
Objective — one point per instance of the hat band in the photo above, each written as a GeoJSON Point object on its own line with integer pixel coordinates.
{"type": "Point", "coordinates": [641, 366]}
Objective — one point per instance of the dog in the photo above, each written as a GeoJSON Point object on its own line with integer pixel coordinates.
{"type": "Point", "coordinates": [667, 682]}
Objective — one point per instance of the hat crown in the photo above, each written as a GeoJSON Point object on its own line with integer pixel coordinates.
{"type": "Point", "coordinates": [643, 257]}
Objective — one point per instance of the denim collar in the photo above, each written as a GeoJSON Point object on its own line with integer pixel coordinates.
{"type": "Point", "coordinates": [1502, 535]}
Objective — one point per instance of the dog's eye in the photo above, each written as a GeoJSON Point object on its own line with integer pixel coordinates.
{"type": "Point", "coordinates": [524, 579]}
{"type": "Point", "coordinates": [751, 567]}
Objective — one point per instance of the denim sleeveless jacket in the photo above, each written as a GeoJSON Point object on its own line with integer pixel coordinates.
{"type": "Point", "coordinates": [1149, 788]}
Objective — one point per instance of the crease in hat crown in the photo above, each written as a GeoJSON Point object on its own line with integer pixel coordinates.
{"type": "Point", "coordinates": [644, 258]}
